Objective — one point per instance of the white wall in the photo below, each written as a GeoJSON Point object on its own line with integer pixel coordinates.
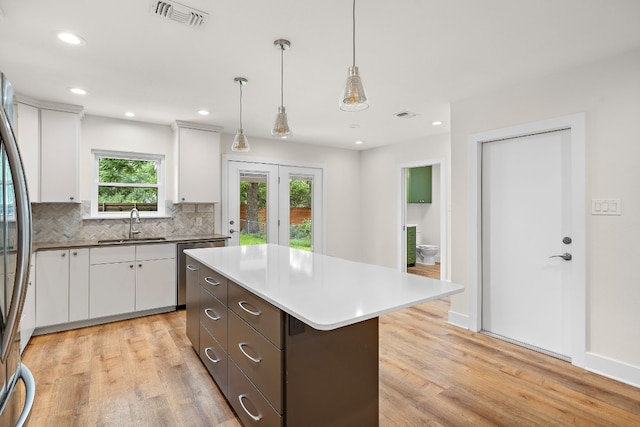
{"type": "Point", "coordinates": [381, 198]}
{"type": "Point", "coordinates": [342, 179]}
{"type": "Point", "coordinates": [609, 93]}
{"type": "Point", "coordinates": [123, 135]}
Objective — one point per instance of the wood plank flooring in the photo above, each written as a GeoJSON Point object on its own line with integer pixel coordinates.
{"type": "Point", "coordinates": [143, 372]}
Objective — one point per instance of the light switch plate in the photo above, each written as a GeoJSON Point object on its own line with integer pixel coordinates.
{"type": "Point", "coordinates": [606, 207]}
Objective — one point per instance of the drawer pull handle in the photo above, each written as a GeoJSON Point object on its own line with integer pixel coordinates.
{"type": "Point", "coordinates": [253, 417]}
{"type": "Point", "coordinates": [242, 306]}
{"type": "Point", "coordinates": [241, 347]}
{"type": "Point", "coordinates": [216, 317]}
{"type": "Point", "coordinates": [211, 281]}
{"type": "Point", "coordinates": [192, 267]}
{"type": "Point", "coordinates": [210, 349]}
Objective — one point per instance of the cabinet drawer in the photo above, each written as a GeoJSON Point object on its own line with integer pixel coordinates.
{"type": "Point", "coordinates": [155, 251]}
{"type": "Point", "coordinates": [112, 254]}
{"type": "Point", "coordinates": [250, 406]}
{"type": "Point", "coordinates": [258, 358]}
{"type": "Point", "coordinates": [215, 359]}
{"type": "Point", "coordinates": [264, 317]}
{"type": "Point", "coordinates": [214, 282]}
{"type": "Point", "coordinates": [213, 316]}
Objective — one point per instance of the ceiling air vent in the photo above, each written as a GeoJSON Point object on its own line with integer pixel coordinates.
{"type": "Point", "coordinates": [179, 12]}
{"type": "Point", "coordinates": [405, 114]}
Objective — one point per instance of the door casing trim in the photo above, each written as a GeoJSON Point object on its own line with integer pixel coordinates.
{"type": "Point", "coordinates": [578, 287]}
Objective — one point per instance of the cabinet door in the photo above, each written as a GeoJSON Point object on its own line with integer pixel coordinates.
{"type": "Point", "coordinates": [28, 320]}
{"type": "Point", "coordinates": [52, 293]}
{"type": "Point", "coordinates": [155, 284]}
{"type": "Point", "coordinates": [112, 289]}
{"type": "Point", "coordinates": [419, 185]}
{"type": "Point", "coordinates": [59, 144]}
{"type": "Point", "coordinates": [29, 143]}
{"type": "Point", "coordinates": [198, 166]}
{"type": "Point", "coordinates": [78, 284]}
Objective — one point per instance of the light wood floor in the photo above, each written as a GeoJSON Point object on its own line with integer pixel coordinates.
{"type": "Point", "coordinates": [143, 372]}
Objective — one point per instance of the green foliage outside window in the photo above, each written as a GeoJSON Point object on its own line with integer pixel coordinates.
{"type": "Point", "coordinates": [124, 183]}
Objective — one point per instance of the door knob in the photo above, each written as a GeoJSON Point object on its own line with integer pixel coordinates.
{"type": "Point", "coordinates": [231, 230]}
{"type": "Point", "coordinates": [565, 256]}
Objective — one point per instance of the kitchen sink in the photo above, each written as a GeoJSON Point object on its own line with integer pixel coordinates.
{"type": "Point", "coordinates": [136, 240]}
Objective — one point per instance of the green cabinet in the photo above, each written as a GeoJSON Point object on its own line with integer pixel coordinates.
{"type": "Point", "coordinates": [419, 185]}
{"type": "Point", "coordinates": [411, 246]}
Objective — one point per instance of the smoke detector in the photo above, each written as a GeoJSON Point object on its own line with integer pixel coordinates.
{"type": "Point", "coordinates": [179, 12]}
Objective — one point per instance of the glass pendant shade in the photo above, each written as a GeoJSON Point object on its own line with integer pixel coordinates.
{"type": "Point", "coordinates": [354, 97]}
{"type": "Point", "coordinates": [281, 124]}
{"type": "Point", "coordinates": [240, 142]}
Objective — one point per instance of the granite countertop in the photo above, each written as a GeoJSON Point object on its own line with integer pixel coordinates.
{"type": "Point", "coordinates": [322, 291]}
{"type": "Point", "coordinates": [140, 240]}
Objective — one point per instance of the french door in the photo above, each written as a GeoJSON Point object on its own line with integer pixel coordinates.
{"type": "Point", "coordinates": [271, 203]}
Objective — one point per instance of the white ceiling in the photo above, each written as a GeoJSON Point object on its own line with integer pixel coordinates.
{"type": "Point", "coordinates": [416, 55]}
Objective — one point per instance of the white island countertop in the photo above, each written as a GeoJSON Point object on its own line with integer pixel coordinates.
{"type": "Point", "coordinates": [324, 292]}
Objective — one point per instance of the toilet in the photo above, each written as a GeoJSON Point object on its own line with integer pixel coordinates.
{"type": "Point", "coordinates": [426, 253]}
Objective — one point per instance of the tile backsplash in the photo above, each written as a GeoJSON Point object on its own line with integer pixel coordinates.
{"type": "Point", "coordinates": [61, 222]}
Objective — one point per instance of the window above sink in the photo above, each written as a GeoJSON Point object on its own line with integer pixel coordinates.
{"type": "Point", "coordinates": [124, 180]}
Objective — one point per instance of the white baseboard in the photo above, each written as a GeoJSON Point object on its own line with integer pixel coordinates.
{"type": "Point", "coordinates": [459, 320]}
{"type": "Point", "coordinates": [614, 369]}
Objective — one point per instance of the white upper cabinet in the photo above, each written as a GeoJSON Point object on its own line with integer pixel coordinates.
{"type": "Point", "coordinates": [49, 141]}
{"type": "Point", "coordinates": [29, 143]}
{"type": "Point", "coordinates": [59, 149]}
{"type": "Point", "coordinates": [197, 163]}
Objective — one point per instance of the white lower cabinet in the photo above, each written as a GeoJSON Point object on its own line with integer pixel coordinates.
{"type": "Point", "coordinates": [28, 319]}
{"type": "Point", "coordinates": [125, 279]}
{"type": "Point", "coordinates": [63, 289]}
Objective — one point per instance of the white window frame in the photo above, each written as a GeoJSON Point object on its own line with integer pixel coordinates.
{"type": "Point", "coordinates": [161, 182]}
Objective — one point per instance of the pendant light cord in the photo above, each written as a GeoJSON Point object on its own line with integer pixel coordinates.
{"type": "Point", "coordinates": [281, 75]}
{"type": "Point", "coordinates": [240, 83]}
{"type": "Point", "coordinates": [354, 32]}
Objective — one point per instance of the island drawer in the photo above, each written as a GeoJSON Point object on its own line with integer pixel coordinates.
{"type": "Point", "coordinates": [263, 316]}
{"type": "Point", "coordinates": [215, 359]}
{"type": "Point", "coordinates": [252, 408]}
{"type": "Point", "coordinates": [213, 316]}
{"type": "Point", "coordinates": [258, 358]}
{"type": "Point", "coordinates": [214, 282]}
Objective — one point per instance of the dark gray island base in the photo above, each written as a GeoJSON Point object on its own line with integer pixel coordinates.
{"type": "Point", "coordinates": [275, 370]}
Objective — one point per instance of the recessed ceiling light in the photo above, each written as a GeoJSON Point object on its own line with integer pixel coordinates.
{"type": "Point", "coordinates": [78, 91]}
{"type": "Point", "coordinates": [359, 142]}
{"type": "Point", "coordinates": [129, 114]}
{"type": "Point", "coordinates": [203, 112]}
{"type": "Point", "coordinates": [71, 38]}
{"type": "Point", "coordinates": [436, 123]}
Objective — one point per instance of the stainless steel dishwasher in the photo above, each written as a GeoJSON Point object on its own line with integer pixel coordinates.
{"type": "Point", "coordinates": [182, 265]}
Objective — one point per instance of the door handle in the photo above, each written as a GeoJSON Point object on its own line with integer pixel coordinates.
{"type": "Point", "coordinates": [565, 256]}
{"type": "Point", "coordinates": [231, 230]}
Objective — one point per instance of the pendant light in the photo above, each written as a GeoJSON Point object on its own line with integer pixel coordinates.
{"type": "Point", "coordinates": [281, 125]}
{"type": "Point", "coordinates": [240, 142]}
{"type": "Point", "coordinates": [354, 98]}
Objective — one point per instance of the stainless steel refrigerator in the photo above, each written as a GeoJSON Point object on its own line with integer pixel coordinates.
{"type": "Point", "coordinates": [15, 248]}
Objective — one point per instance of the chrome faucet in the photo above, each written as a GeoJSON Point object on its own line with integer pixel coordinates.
{"type": "Point", "coordinates": [133, 232]}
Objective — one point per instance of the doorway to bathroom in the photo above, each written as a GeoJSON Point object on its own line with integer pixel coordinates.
{"type": "Point", "coordinates": [423, 218]}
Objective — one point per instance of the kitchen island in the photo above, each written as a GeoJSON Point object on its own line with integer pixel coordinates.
{"type": "Point", "coordinates": [291, 337]}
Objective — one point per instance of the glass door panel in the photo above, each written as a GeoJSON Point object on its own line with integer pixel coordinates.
{"type": "Point", "coordinates": [301, 208]}
{"type": "Point", "coordinates": [253, 203]}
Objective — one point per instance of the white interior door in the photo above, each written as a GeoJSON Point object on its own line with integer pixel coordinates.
{"type": "Point", "coordinates": [302, 233]}
{"type": "Point", "coordinates": [526, 216]}
{"type": "Point", "coordinates": [262, 226]}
